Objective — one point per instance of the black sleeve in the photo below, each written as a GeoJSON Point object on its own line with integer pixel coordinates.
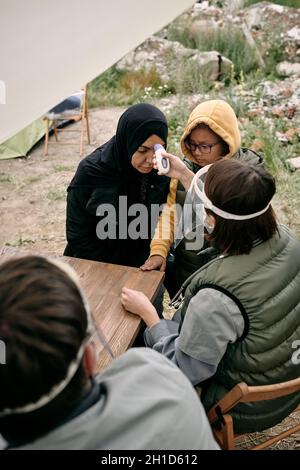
{"type": "Point", "coordinates": [82, 221]}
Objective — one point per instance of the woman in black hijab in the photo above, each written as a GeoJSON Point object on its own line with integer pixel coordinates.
{"type": "Point", "coordinates": [120, 167]}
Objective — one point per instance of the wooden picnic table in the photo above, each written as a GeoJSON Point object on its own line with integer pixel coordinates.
{"type": "Point", "coordinates": [102, 284]}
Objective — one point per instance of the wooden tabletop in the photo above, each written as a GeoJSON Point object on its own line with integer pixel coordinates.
{"type": "Point", "coordinates": [102, 284]}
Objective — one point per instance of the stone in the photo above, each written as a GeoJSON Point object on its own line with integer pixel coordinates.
{"type": "Point", "coordinates": [294, 33]}
{"type": "Point", "coordinates": [294, 163]}
{"type": "Point", "coordinates": [286, 69]}
{"type": "Point", "coordinates": [274, 25]}
{"type": "Point", "coordinates": [168, 56]}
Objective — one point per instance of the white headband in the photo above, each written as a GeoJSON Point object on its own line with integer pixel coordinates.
{"type": "Point", "coordinates": [209, 205]}
{"type": "Point", "coordinates": [73, 367]}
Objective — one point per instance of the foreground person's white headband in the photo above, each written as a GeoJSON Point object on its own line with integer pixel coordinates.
{"type": "Point", "coordinates": [74, 365]}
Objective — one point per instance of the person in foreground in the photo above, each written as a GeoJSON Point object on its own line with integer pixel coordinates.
{"type": "Point", "coordinates": [240, 313]}
{"type": "Point", "coordinates": [110, 183]}
{"type": "Point", "coordinates": [49, 395]}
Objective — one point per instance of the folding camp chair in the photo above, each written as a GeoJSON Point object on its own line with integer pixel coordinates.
{"type": "Point", "coordinates": [59, 115]}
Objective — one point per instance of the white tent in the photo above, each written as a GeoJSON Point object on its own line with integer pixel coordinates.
{"type": "Point", "coordinates": [50, 48]}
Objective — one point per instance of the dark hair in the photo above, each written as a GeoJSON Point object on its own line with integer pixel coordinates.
{"type": "Point", "coordinates": [43, 323]}
{"type": "Point", "coordinates": [225, 146]}
{"type": "Point", "coordinates": [240, 189]}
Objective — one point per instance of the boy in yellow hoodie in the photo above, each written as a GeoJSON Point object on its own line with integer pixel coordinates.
{"type": "Point", "coordinates": [211, 133]}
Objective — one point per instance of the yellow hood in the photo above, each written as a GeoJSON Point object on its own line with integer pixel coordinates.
{"type": "Point", "coordinates": [220, 117]}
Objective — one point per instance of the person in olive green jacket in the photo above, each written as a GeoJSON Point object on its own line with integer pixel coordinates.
{"type": "Point", "coordinates": [239, 319]}
{"type": "Point", "coordinates": [212, 133]}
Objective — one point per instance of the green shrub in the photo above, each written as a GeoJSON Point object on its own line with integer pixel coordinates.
{"type": "Point", "coordinates": [275, 152]}
{"type": "Point", "coordinates": [115, 88]}
{"type": "Point", "coordinates": [188, 79]}
{"type": "Point", "coordinates": [229, 41]}
{"type": "Point", "coordinates": [182, 32]}
{"type": "Point", "coordinates": [102, 90]}
{"type": "Point", "coordinates": [286, 3]}
{"type": "Point", "coordinates": [56, 194]}
{"type": "Point", "coordinates": [177, 117]}
{"type": "Point", "coordinates": [272, 56]}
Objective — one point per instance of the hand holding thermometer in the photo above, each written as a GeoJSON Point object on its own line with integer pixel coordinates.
{"type": "Point", "coordinates": [163, 163]}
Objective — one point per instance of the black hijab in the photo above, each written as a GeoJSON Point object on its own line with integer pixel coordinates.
{"type": "Point", "coordinates": [113, 158]}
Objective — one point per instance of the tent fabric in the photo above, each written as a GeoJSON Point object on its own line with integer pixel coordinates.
{"type": "Point", "coordinates": [20, 144]}
{"type": "Point", "coordinates": [50, 48]}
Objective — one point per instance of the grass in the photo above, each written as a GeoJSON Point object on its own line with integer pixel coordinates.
{"type": "Point", "coordinates": [4, 178]}
{"type": "Point", "coordinates": [272, 56]}
{"type": "Point", "coordinates": [286, 3]}
{"type": "Point", "coordinates": [21, 242]}
{"type": "Point", "coordinates": [31, 179]}
{"type": "Point", "coordinates": [275, 154]}
{"type": "Point", "coordinates": [124, 88]}
{"type": "Point", "coordinates": [115, 88]}
{"type": "Point", "coordinates": [19, 182]}
{"type": "Point", "coordinates": [229, 41]}
{"type": "Point", "coordinates": [59, 168]}
{"type": "Point", "coordinates": [188, 79]}
{"type": "Point", "coordinates": [264, 130]}
{"type": "Point", "coordinates": [288, 190]}
{"type": "Point", "coordinates": [177, 117]}
{"type": "Point", "coordinates": [56, 194]}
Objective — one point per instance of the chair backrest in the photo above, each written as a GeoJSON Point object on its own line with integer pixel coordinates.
{"type": "Point", "coordinates": [74, 105]}
{"type": "Point", "coordinates": [73, 108]}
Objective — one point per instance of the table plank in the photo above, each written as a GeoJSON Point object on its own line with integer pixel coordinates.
{"type": "Point", "coordinates": [102, 284]}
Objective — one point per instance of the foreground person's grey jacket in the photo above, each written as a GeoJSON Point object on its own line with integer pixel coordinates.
{"type": "Point", "coordinates": [148, 404]}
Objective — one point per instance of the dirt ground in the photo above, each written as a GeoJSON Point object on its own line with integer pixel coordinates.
{"type": "Point", "coordinates": [33, 189]}
{"type": "Point", "coordinates": [33, 203]}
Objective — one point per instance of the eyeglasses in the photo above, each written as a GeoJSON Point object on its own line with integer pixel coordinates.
{"type": "Point", "coordinates": [203, 148]}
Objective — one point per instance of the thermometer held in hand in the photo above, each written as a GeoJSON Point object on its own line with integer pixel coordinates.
{"type": "Point", "coordinates": [162, 162]}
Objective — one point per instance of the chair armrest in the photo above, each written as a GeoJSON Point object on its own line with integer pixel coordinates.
{"type": "Point", "coordinates": [226, 403]}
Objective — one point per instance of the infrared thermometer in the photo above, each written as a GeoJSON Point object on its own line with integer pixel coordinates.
{"type": "Point", "coordinates": [163, 163]}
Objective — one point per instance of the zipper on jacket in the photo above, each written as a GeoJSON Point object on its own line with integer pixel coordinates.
{"type": "Point", "coordinates": [178, 298]}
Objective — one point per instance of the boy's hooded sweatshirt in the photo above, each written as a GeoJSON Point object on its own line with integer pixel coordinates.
{"type": "Point", "coordinates": [220, 117]}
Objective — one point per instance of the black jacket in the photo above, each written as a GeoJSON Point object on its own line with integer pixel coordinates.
{"type": "Point", "coordinates": [104, 176]}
